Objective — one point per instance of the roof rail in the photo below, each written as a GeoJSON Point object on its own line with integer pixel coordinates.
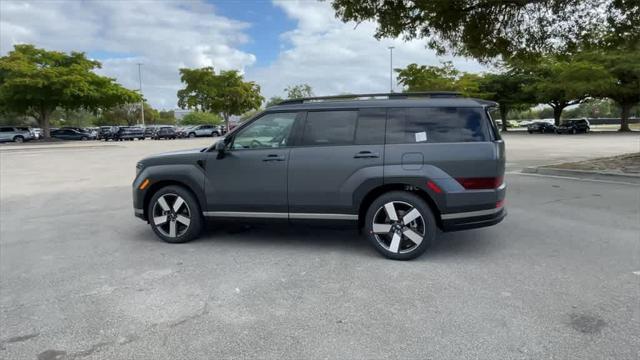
{"type": "Point", "coordinates": [404, 95]}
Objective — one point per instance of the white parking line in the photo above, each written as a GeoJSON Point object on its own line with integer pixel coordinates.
{"type": "Point", "coordinates": [572, 178]}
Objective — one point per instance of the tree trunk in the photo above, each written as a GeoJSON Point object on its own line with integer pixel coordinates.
{"type": "Point", "coordinates": [624, 117]}
{"type": "Point", "coordinates": [226, 121]}
{"type": "Point", "coordinates": [44, 119]}
{"type": "Point", "coordinates": [557, 111]}
{"type": "Point", "coordinates": [503, 115]}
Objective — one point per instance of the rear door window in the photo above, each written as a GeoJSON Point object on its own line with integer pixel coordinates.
{"type": "Point", "coordinates": [370, 126]}
{"type": "Point", "coordinates": [326, 128]}
{"type": "Point", "coordinates": [437, 125]}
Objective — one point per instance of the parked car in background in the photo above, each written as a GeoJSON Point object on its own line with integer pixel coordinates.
{"type": "Point", "coordinates": [15, 134]}
{"type": "Point", "coordinates": [182, 131]}
{"type": "Point", "coordinates": [71, 134]}
{"type": "Point", "coordinates": [574, 127]}
{"type": "Point", "coordinates": [38, 133]}
{"type": "Point", "coordinates": [165, 132]}
{"type": "Point", "coordinates": [106, 132]}
{"type": "Point", "coordinates": [129, 133]}
{"type": "Point", "coordinates": [30, 130]}
{"type": "Point", "coordinates": [541, 127]}
{"type": "Point", "coordinates": [203, 130]}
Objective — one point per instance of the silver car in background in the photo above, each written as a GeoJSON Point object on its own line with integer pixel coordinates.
{"type": "Point", "coordinates": [15, 134]}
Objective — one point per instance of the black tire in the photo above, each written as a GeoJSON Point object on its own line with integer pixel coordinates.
{"type": "Point", "coordinates": [192, 135]}
{"type": "Point", "coordinates": [215, 133]}
{"type": "Point", "coordinates": [574, 131]}
{"type": "Point", "coordinates": [425, 225]}
{"type": "Point", "coordinates": [18, 139]}
{"type": "Point", "coordinates": [194, 228]}
{"type": "Point", "coordinates": [530, 132]}
{"type": "Point", "coordinates": [84, 138]}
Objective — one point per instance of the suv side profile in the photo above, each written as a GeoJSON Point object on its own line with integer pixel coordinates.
{"type": "Point", "coordinates": [15, 134]}
{"type": "Point", "coordinates": [400, 168]}
{"type": "Point", "coordinates": [204, 130]}
{"type": "Point", "coordinates": [574, 127]}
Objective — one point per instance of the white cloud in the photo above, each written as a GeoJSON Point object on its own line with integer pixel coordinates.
{"type": "Point", "coordinates": [331, 56]}
{"type": "Point", "coordinates": [334, 57]}
{"type": "Point", "coordinates": [162, 35]}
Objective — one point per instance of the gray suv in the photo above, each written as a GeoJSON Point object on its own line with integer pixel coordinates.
{"type": "Point", "coordinates": [400, 168]}
{"type": "Point", "coordinates": [15, 134]}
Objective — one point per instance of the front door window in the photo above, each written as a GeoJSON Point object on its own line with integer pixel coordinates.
{"type": "Point", "coordinates": [269, 131]}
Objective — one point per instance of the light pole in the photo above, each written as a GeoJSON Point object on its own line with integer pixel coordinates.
{"type": "Point", "coordinates": [391, 68]}
{"type": "Point", "coordinates": [142, 100]}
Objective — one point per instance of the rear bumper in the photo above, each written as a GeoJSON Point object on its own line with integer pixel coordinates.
{"type": "Point", "coordinates": [472, 219]}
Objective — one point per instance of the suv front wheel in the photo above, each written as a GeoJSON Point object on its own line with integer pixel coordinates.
{"type": "Point", "coordinates": [174, 214]}
{"type": "Point", "coordinates": [400, 225]}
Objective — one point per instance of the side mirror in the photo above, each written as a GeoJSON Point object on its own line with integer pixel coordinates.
{"type": "Point", "coordinates": [220, 147]}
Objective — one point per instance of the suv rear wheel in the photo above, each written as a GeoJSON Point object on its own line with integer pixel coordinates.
{"type": "Point", "coordinates": [18, 139]}
{"type": "Point", "coordinates": [174, 215]}
{"type": "Point", "coordinates": [400, 225]}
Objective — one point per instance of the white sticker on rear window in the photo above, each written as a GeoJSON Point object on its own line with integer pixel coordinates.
{"type": "Point", "coordinates": [421, 136]}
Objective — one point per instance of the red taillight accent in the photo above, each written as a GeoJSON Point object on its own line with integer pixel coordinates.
{"type": "Point", "coordinates": [500, 204]}
{"type": "Point", "coordinates": [434, 187]}
{"type": "Point", "coordinates": [480, 183]}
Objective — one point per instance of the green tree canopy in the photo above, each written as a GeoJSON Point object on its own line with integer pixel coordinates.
{"type": "Point", "coordinates": [486, 29]}
{"type": "Point", "coordinates": [623, 84]}
{"type": "Point", "coordinates": [201, 118]}
{"type": "Point", "coordinates": [274, 100]}
{"type": "Point", "coordinates": [562, 81]}
{"type": "Point", "coordinates": [225, 93]}
{"type": "Point", "coordinates": [507, 89]}
{"type": "Point", "coordinates": [167, 117]}
{"type": "Point", "coordinates": [299, 91]}
{"type": "Point", "coordinates": [36, 82]}
{"type": "Point", "coordinates": [428, 78]}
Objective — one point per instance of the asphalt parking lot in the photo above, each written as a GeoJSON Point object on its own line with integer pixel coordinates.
{"type": "Point", "coordinates": [81, 278]}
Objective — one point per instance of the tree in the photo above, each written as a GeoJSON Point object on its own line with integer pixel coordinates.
{"type": "Point", "coordinates": [36, 82]}
{"type": "Point", "coordinates": [507, 89]}
{"type": "Point", "coordinates": [428, 78]}
{"type": "Point", "coordinates": [226, 93]}
{"type": "Point", "coordinates": [299, 91]}
{"type": "Point", "coordinates": [623, 87]}
{"type": "Point", "coordinates": [125, 114]}
{"type": "Point", "coordinates": [562, 81]}
{"type": "Point", "coordinates": [486, 29]}
{"type": "Point", "coordinates": [201, 118]}
{"type": "Point", "coordinates": [167, 117]}
{"type": "Point", "coordinates": [274, 100]}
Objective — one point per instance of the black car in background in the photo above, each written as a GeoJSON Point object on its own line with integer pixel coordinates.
{"type": "Point", "coordinates": [541, 127]}
{"type": "Point", "coordinates": [574, 127]}
{"type": "Point", "coordinates": [129, 133]}
{"type": "Point", "coordinates": [71, 134]}
{"type": "Point", "coordinates": [106, 132]}
{"type": "Point", "coordinates": [165, 132]}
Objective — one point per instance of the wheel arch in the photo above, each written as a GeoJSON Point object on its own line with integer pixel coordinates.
{"type": "Point", "coordinates": [374, 193]}
{"type": "Point", "coordinates": [153, 188]}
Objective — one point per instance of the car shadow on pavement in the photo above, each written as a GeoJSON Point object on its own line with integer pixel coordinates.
{"type": "Point", "coordinates": [341, 238]}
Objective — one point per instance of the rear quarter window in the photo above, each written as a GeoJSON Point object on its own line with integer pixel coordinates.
{"type": "Point", "coordinates": [437, 125]}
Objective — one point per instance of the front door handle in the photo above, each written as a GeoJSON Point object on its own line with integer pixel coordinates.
{"type": "Point", "coordinates": [273, 157]}
{"type": "Point", "coordinates": [366, 155]}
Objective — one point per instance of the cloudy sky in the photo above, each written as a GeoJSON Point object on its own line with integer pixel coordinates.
{"type": "Point", "coordinates": [275, 43]}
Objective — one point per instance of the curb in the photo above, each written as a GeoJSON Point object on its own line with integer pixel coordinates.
{"type": "Point", "coordinates": [593, 175]}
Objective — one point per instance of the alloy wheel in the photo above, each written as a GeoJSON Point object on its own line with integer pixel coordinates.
{"type": "Point", "coordinates": [171, 215]}
{"type": "Point", "coordinates": [398, 227]}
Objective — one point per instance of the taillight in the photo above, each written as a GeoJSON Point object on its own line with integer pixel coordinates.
{"type": "Point", "coordinates": [480, 183]}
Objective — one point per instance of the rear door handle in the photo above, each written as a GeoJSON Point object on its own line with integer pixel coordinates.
{"type": "Point", "coordinates": [366, 155]}
{"type": "Point", "coordinates": [273, 157]}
